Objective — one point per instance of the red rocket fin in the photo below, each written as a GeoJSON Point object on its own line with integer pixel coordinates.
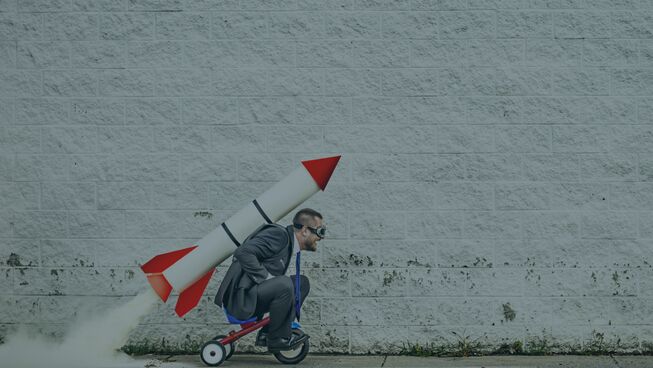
{"type": "Point", "coordinates": [191, 296]}
{"type": "Point", "coordinates": [162, 261]}
{"type": "Point", "coordinates": [155, 266]}
{"type": "Point", "coordinates": [321, 169]}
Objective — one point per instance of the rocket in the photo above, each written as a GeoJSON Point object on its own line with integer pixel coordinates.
{"type": "Point", "coordinates": [189, 270]}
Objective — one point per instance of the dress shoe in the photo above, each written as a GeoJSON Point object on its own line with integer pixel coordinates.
{"type": "Point", "coordinates": [261, 339]}
{"type": "Point", "coordinates": [285, 343]}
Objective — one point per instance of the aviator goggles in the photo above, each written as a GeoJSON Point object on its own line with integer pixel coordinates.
{"type": "Point", "coordinates": [320, 231]}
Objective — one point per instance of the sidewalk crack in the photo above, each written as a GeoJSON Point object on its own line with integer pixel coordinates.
{"type": "Point", "coordinates": [384, 359]}
{"type": "Point", "coordinates": [615, 361]}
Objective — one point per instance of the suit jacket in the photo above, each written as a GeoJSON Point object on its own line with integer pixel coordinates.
{"type": "Point", "coordinates": [268, 251]}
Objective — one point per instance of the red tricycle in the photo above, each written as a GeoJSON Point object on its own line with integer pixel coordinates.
{"type": "Point", "coordinates": [222, 347]}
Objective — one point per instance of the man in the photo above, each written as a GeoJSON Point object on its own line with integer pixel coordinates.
{"type": "Point", "coordinates": [256, 283]}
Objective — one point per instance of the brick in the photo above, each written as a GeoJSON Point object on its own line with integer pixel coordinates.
{"type": "Point", "coordinates": [125, 139]}
{"type": "Point", "coordinates": [38, 224]}
{"type": "Point", "coordinates": [321, 110]}
{"type": "Point", "coordinates": [324, 53]}
{"type": "Point", "coordinates": [180, 195]}
{"type": "Point", "coordinates": [463, 139]}
{"type": "Point", "coordinates": [166, 224]}
{"type": "Point", "coordinates": [579, 282]}
{"type": "Point", "coordinates": [581, 196]}
{"type": "Point", "coordinates": [435, 53]}
{"type": "Point", "coordinates": [631, 82]}
{"type": "Point", "coordinates": [97, 112]}
{"type": "Point", "coordinates": [156, 111]}
{"type": "Point", "coordinates": [6, 280]}
{"type": "Point", "coordinates": [266, 5]}
{"type": "Point", "coordinates": [127, 83]}
{"type": "Point", "coordinates": [98, 5]}
{"type": "Point", "coordinates": [296, 25]}
{"type": "Point", "coordinates": [461, 196]}
{"type": "Point", "coordinates": [349, 311]}
{"type": "Point", "coordinates": [237, 138]}
{"type": "Point", "coordinates": [6, 223]}
{"type": "Point", "coordinates": [628, 24]}
{"type": "Point", "coordinates": [379, 54]}
{"type": "Point", "coordinates": [411, 82]}
{"type": "Point", "coordinates": [524, 24]}
{"type": "Point", "coordinates": [582, 25]}
{"type": "Point", "coordinates": [581, 138]}
{"type": "Point", "coordinates": [21, 26]}
{"type": "Point", "coordinates": [78, 83]}
{"type": "Point", "coordinates": [365, 254]}
{"type": "Point", "coordinates": [68, 253]}
{"type": "Point", "coordinates": [19, 196]}
{"type": "Point", "coordinates": [69, 139]}
{"type": "Point", "coordinates": [230, 25]}
{"type": "Point", "coordinates": [70, 26]}
{"type": "Point", "coordinates": [354, 25]}
{"type": "Point", "coordinates": [548, 225]}
{"type": "Point", "coordinates": [79, 281]}
{"type": "Point", "coordinates": [612, 225]}
{"type": "Point", "coordinates": [327, 282]}
{"type": "Point", "coordinates": [176, 139]}
{"type": "Point", "coordinates": [68, 196]}
{"type": "Point", "coordinates": [321, 5]}
{"type": "Point", "coordinates": [472, 24]}
{"type": "Point", "coordinates": [522, 197]}
{"type": "Point", "coordinates": [608, 52]}
{"type": "Point", "coordinates": [496, 52]}
{"type": "Point", "coordinates": [281, 140]}
{"type": "Point", "coordinates": [435, 282]}
{"type": "Point", "coordinates": [97, 54]}
{"type": "Point", "coordinates": [19, 309]}
{"type": "Point", "coordinates": [551, 167]}
{"type": "Point", "coordinates": [490, 81]}
{"type": "Point", "coordinates": [123, 195]}
{"type": "Point", "coordinates": [8, 6]}
{"type": "Point", "coordinates": [360, 139]}
{"type": "Point", "coordinates": [580, 82]}
{"type": "Point", "coordinates": [410, 25]}
{"type": "Point", "coordinates": [265, 110]}
{"type": "Point", "coordinates": [631, 138]}
{"type": "Point", "coordinates": [97, 224]}
{"type": "Point", "coordinates": [207, 167]}
{"type": "Point", "coordinates": [365, 196]}
{"type": "Point", "coordinates": [374, 282]}
{"type": "Point", "coordinates": [583, 110]}
{"type": "Point", "coordinates": [127, 26]}
{"type": "Point", "coordinates": [96, 168]}
{"type": "Point", "coordinates": [292, 82]}
{"type": "Point", "coordinates": [20, 83]}
{"type": "Point", "coordinates": [234, 195]}
{"type": "Point", "coordinates": [42, 55]}
{"type": "Point", "coordinates": [495, 110]}
{"type": "Point", "coordinates": [495, 282]}
{"type": "Point", "coordinates": [645, 167]}
{"type": "Point", "coordinates": [153, 54]}
{"type": "Point", "coordinates": [41, 168]}
{"type": "Point", "coordinates": [631, 196]}
{"type": "Point", "coordinates": [558, 52]}
{"type": "Point", "coordinates": [608, 167]}
{"type": "Point", "coordinates": [20, 139]}
{"type": "Point", "coordinates": [253, 82]}
{"type": "Point", "coordinates": [523, 138]}
{"type": "Point", "coordinates": [368, 225]}
{"type": "Point", "coordinates": [44, 6]}
{"type": "Point", "coordinates": [270, 167]}
{"type": "Point", "coordinates": [271, 53]}
{"type": "Point", "coordinates": [380, 4]}
{"type": "Point", "coordinates": [486, 224]}
{"type": "Point", "coordinates": [182, 26]}
{"type": "Point", "coordinates": [151, 167]}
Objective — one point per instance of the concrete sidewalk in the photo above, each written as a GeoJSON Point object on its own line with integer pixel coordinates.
{"type": "Point", "coordinates": [314, 360]}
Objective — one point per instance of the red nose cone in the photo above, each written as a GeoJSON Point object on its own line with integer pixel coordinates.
{"type": "Point", "coordinates": [321, 169]}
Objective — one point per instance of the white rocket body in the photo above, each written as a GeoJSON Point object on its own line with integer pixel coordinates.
{"type": "Point", "coordinates": [189, 270]}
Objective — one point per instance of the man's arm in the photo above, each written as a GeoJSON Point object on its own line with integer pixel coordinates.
{"type": "Point", "coordinates": [262, 246]}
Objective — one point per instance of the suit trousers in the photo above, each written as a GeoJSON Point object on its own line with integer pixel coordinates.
{"type": "Point", "coordinates": [277, 296]}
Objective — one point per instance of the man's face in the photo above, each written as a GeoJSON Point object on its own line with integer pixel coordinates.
{"type": "Point", "coordinates": [310, 239]}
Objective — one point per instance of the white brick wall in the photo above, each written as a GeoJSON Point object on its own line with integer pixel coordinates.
{"type": "Point", "coordinates": [495, 180]}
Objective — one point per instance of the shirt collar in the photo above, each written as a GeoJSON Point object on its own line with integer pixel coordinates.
{"type": "Point", "coordinates": [295, 244]}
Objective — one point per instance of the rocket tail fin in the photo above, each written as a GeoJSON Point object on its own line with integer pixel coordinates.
{"type": "Point", "coordinates": [155, 266]}
{"type": "Point", "coordinates": [190, 297]}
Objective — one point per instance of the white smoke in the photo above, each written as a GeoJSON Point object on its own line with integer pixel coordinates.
{"type": "Point", "coordinates": [93, 341]}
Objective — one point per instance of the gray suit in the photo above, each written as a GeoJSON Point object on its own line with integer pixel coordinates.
{"type": "Point", "coordinates": [245, 290]}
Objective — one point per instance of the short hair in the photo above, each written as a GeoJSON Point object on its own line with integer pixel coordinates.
{"type": "Point", "coordinates": [302, 216]}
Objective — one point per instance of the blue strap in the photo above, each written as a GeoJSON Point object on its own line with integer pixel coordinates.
{"type": "Point", "coordinates": [298, 304]}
